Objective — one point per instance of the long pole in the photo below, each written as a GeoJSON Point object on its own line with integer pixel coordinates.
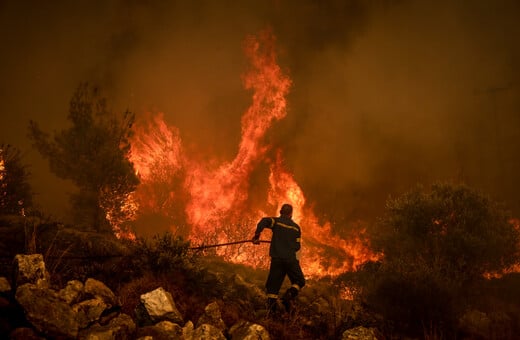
{"type": "Point", "coordinates": [224, 244]}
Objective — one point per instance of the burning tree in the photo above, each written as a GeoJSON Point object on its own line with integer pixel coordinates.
{"type": "Point", "coordinates": [15, 191]}
{"type": "Point", "coordinates": [437, 246]}
{"type": "Point", "coordinates": [93, 153]}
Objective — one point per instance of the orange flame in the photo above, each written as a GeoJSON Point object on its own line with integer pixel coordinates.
{"type": "Point", "coordinates": [2, 165]}
{"type": "Point", "coordinates": [323, 252]}
{"type": "Point", "coordinates": [118, 217]}
{"type": "Point", "coordinates": [515, 222]}
{"type": "Point", "coordinates": [229, 183]}
{"type": "Point", "coordinates": [216, 202]}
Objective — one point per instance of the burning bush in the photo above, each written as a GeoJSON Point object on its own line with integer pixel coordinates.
{"type": "Point", "coordinates": [438, 245]}
{"type": "Point", "coordinates": [15, 191]}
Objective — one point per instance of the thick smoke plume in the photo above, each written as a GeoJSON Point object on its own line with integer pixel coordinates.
{"type": "Point", "coordinates": [385, 94]}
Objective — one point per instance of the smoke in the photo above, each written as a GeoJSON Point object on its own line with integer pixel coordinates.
{"type": "Point", "coordinates": [426, 92]}
{"type": "Point", "coordinates": [385, 94]}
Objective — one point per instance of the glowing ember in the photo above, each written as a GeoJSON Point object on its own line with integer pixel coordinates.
{"type": "Point", "coordinates": [215, 200]}
{"type": "Point", "coordinates": [4, 184]}
{"type": "Point", "coordinates": [2, 165]}
{"type": "Point", "coordinates": [119, 216]}
{"type": "Point", "coordinates": [514, 268]}
{"type": "Point", "coordinates": [347, 293]}
{"type": "Point", "coordinates": [2, 173]}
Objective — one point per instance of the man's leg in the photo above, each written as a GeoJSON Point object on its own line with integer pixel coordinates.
{"type": "Point", "coordinates": [297, 279]}
{"type": "Point", "coordinates": [273, 284]}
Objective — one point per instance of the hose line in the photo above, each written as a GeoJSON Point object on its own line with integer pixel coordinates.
{"type": "Point", "coordinates": [225, 244]}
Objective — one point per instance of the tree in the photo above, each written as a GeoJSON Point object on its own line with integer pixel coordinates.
{"type": "Point", "coordinates": [15, 191]}
{"type": "Point", "coordinates": [437, 246]}
{"type": "Point", "coordinates": [93, 154]}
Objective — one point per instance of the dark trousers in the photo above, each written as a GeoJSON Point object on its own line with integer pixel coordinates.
{"type": "Point", "coordinates": [278, 270]}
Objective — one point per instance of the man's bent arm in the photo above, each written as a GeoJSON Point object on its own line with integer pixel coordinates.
{"type": "Point", "coordinates": [266, 222]}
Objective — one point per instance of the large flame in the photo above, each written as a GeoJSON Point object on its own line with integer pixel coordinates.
{"type": "Point", "coordinates": [2, 165]}
{"type": "Point", "coordinates": [218, 192]}
{"type": "Point", "coordinates": [212, 204]}
{"type": "Point", "coordinates": [323, 252]}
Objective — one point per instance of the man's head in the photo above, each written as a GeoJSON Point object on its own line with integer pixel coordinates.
{"type": "Point", "coordinates": [286, 210]}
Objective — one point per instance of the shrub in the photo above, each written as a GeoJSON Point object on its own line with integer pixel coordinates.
{"type": "Point", "coordinates": [437, 245]}
{"type": "Point", "coordinates": [162, 254]}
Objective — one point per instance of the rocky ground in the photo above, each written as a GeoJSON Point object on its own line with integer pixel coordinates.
{"type": "Point", "coordinates": [33, 308]}
{"type": "Point", "coordinates": [84, 285]}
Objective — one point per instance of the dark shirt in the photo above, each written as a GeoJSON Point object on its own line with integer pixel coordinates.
{"type": "Point", "coordinates": [286, 236]}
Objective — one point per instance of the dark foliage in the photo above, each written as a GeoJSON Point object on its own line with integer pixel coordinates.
{"type": "Point", "coordinates": [116, 262]}
{"type": "Point", "coordinates": [438, 245]}
{"type": "Point", "coordinates": [161, 254]}
{"type": "Point", "coordinates": [166, 261]}
{"type": "Point", "coordinates": [93, 154]}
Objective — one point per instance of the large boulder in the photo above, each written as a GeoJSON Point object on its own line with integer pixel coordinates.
{"type": "Point", "coordinates": [89, 311]}
{"type": "Point", "coordinates": [97, 289]}
{"type": "Point", "coordinates": [73, 292]}
{"type": "Point", "coordinates": [212, 316]}
{"type": "Point", "coordinates": [30, 269]}
{"type": "Point", "coordinates": [162, 330]}
{"type": "Point", "coordinates": [120, 327]}
{"type": "Point", "coordinates": [47, 312]}
{"type": "Point", "coordinates": [245, 330]}
{"type": "Point", "coordinates": [188, 330]}
{"type": "Point", "coordinates": [5, 287]}
{"type": "Point", "coordinates": [157, 305]}
{"type": "Point", "coordinates": [207, 332]}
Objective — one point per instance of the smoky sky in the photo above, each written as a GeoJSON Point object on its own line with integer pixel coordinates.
{"type": "Point", "coordinates": [385, 94]}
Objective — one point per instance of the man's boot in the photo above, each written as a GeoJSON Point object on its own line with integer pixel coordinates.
{"type": "Point", "coordinates": [288, 297]}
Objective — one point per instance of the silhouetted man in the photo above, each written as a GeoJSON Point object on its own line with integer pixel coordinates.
{"type": "Point", "coordinates": [285, 243]}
